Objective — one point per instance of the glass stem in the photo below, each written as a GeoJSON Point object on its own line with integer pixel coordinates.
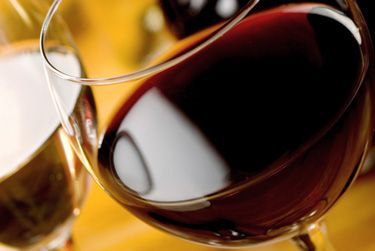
{"type": "Point", "coordinates": [67, 246]}
{"type": "Point", "coordinates": [314, 239]}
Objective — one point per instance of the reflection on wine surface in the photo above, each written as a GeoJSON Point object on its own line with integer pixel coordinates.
{"type": "Point", "coordinates": [42, 182]}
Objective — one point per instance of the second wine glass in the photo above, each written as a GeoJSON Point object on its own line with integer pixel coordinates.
{"type": "Point", "coordinates": [42, 182]}
{"type": "Point", "coordinates": [242, 133]}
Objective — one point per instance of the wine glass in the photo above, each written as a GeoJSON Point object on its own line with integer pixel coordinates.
{"type": "Point", "coordinates": [42, 181]}
{"type": "Point", "coordinates": [240, 133]}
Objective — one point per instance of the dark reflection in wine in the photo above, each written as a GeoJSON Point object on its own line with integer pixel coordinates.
{"type": "Point", "coordinates": [127, 154]}
{"type": "Point", "coordinates": [165, 151]}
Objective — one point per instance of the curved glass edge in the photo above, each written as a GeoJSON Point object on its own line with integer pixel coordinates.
{"type": "Point", "coordinates": [140, 73]}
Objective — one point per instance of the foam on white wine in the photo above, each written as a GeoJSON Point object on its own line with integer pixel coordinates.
{"type": "Point", "coordinates": [27, 113]}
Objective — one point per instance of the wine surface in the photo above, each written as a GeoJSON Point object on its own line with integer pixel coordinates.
{"type": "Point", "coordinates": [255, 135]}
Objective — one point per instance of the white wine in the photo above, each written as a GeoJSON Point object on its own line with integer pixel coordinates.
{"type": "Point", "coordinates": [41, 180]}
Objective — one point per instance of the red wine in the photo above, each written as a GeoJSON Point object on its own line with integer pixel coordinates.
{"type": "Point", "coordinates": [258, 133]}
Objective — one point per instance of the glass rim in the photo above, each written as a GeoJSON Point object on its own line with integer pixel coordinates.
{"type": "Point", "coordinates": [143, 72]}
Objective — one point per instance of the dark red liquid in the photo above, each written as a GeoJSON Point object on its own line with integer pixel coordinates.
{"type": "Point", "coordinates": [252, 137]}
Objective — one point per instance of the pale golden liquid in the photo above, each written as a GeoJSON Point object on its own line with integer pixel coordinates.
{"type": "Point", "coordinates": [42, 195]}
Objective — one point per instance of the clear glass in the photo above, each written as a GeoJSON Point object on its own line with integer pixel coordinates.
{"type": "Point", "coordinates": [241, 133]}
{"type": "Point", "coordinates": [42, 181]}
